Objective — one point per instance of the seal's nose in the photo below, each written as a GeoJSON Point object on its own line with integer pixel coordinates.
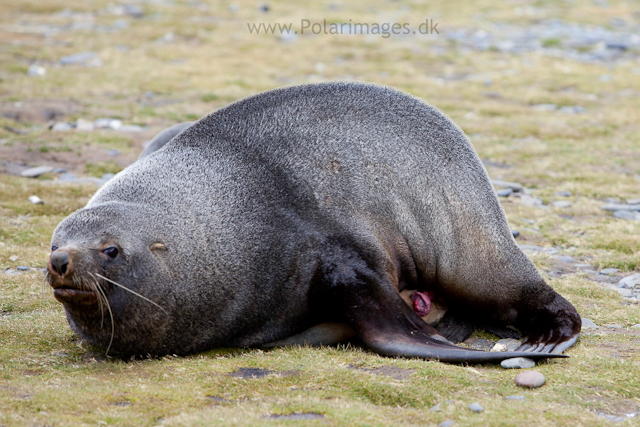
{"type": "Point", "coordinates": [60, 262]}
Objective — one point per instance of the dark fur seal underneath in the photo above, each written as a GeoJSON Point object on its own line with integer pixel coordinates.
{"type": "Point", "coordinates": [301, 215]}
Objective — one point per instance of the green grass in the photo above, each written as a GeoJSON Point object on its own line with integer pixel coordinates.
{"type": "Point", "coordinates": [48, 376]}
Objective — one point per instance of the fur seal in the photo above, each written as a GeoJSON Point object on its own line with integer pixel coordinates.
{"type": "Point", "coordinates": [300, 215]}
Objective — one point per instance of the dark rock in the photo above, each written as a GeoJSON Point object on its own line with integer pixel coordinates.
{"type": "Point", "coordinates": [515, 233]}
{"type": "Point", "coordinates": [251, 373]}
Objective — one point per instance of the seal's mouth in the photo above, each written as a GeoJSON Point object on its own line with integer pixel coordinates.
{"type": "Point", "coordinates": [74, 296]}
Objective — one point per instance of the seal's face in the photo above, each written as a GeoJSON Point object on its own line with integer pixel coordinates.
{"type": "Point", "coordinates": [101, 274]}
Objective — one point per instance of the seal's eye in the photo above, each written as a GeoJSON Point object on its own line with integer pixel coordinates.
{"type": "Point", "coordinates": [111, 252]}
{"type": "Point", "coordinates": [54, 248]}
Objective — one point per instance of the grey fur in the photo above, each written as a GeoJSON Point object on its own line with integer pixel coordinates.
{"type": "Point", "coordinates": [305, 205]}
{"type": "Point", "coordinates": [163, 137]}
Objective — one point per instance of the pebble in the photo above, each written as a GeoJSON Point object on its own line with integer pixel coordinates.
{"type": "Point", "coordinates": [515, 233]}
{"type": "Point", "coordinates": [506, 184]}
{"type": "Point", "coordinates": [36, 70]}
{"type": "Point", "coordinates": [621, 207]}
{"type": "Point", "coordinates": [628, 215]}
{"type": "Point", "coordinates": [61, 127]}
{"type": "Point", "coordinates": [629, 282]}
{"type": "Point", "coordinates": [516, 397]}
{"type": "Point", "coordinates": [510, 343]}
{"type": "Point", "coordinates": [588, 324]}
{"type": "Point", "coordinates": [84, 125]}
{"type": "Point", "coordinates": [530, 379]}
{"type": "Point", "coordinates": [436, 408]}
{"type": "Point", "coordinates": [23, 268]}
{"type": "Point", "coordinates": [36, 200]}
{"type": "Point", "coordinates": [633, 201]}
{"type": "Point", "coordinates": [563, 193]}
{"type": "Point", "coordinates": [447, 423]}
{"type": "Point", "coordinates": [518, 363]}
{"type": "Point", "coordinates": [13, 258]}
{"type": "Point", "coordinates": [505, 192]}
{"type": "Point", "coordinates": [609, 271]}
{"type": "Point", "coordinates": [565, 258]}
{"type": "Point", "coordinates": [475, 407]}
{"type": "Point", "coordinates": [561, 204]}
{"type": "Point", "coordinates": [113, 152]}
{"type": "Point", "coordinates": [625, 293]}
{"type": "Point", "coordinates": [479, 343]}
{"type": "Point", "coordinates": [82, 58]}
{"type": "Point", "coordinates": [572, 109]}
{"type": "Point", "coordinates": [36, 172]}
{"type": "Point", "coordinates": [636, 326]}
{"type": "Point", "coordinates": [531, 201]}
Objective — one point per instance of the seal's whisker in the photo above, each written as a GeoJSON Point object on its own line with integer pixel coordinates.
{"type": "Point", "coordinates": [101, 298]}
{"type": "Point", "coordinates": [133, 292]}
{"type": "Point", "coordinates": [113, 330]}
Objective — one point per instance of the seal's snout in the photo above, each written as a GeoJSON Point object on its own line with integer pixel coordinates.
{"type": "Point", "coordinates": [60, 262]}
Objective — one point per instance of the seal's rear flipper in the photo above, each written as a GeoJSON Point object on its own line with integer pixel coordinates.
{"type": "Point", "coordinates": [389, 327]}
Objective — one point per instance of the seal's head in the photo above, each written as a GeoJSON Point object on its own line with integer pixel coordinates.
{"type": "Point", "coordinates": [110, 279]}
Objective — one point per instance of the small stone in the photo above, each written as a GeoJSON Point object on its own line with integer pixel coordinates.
{"type": "Point", "coordinates": [436, 408]}
{"type": "Point", "coordinates": [510, 343]}
{"type": "Point", "coordinates": [61, 127]}
{"type": "Point", "coordinates": [516, 397]}
{"type": "Point", "coordinates": [68, 177]}
{"type": "Point", "coordinates": [530, 379]}
{"type": "Point", "coordinates": [563, 193]}
{"type": "Point", "coordinates": [36, 200]}
{"type": "Point", "coordinates": [545, 107]}
{"type": "Point", "coordinates": [572, 109]}
{"type": "Point", "coordinates": [531, 201]}
{"type": "Point", "coordinates": [84, 125]}
{"type": "Point", "coordinates": [625, 293]}
{"type": "Point", "coordinates": [447, 423]}
{"type": "Point", "coordinates": [636, 326]}
{"type": "Point", "coordinates": [36, 172]}
{"type": "Point", "coordinates": [628, 215]}
{"type": "Point", "coordinates": [613, 326]}
{"type": "Point", "coordinates": [506, 184]}
{"type": "Point", "coordinates": [23, 268]}
{"type": "Point", "coordinates": [633, 201]}
{"type": "Point", "coordinates": [620, 207]}
{"type": "Point", "coordinates": [85, 58]}
{"type": "Point", "coordinates": [499, 347]}
{"type": "Point", "coordinates": [565, 258]}
{"type": "Point", "coordinates": [36, 70]}
{"type": "Point", "coordinates": [588, 324]}
{"type": "Point", "coordinates": [515, 233]}
{"type": "Point", "coordinates": [629, 282]}
{"type": "Point", "coordinates": [518, 363]}
{"type": "Point", "coordinates": [113, 152]}
{"type": "Point", "coordinates": [13, 258]}
{"type": "Point", "coordinates": [479, 343]}
{"type": "Point", "coordinates": [561, 204]}
{"type": "Point", "coordinates": [505, 192]}
{"type": "Point", "coordinates": [475, 407]}
{"type": "Point", "coordinates": [609, 271]}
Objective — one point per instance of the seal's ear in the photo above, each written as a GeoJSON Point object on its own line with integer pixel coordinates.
{"type": "Point", "coordinates": [157, 246]}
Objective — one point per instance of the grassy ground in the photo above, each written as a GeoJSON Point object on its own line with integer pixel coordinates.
{"type": "Point", "coordinates": [49, 377]}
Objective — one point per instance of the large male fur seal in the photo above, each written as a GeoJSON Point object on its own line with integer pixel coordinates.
{"type": "Point", "coordinates": [300, 215]}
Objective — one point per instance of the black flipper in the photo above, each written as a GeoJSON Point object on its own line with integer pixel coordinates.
{"type": "Point", "coordinates": [454, 328]}
{"type": "Point", "coordinates": [388, 326]}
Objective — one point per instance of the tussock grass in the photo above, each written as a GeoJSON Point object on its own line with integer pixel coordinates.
{"type": "Point", "coordinates": [48, 376]}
